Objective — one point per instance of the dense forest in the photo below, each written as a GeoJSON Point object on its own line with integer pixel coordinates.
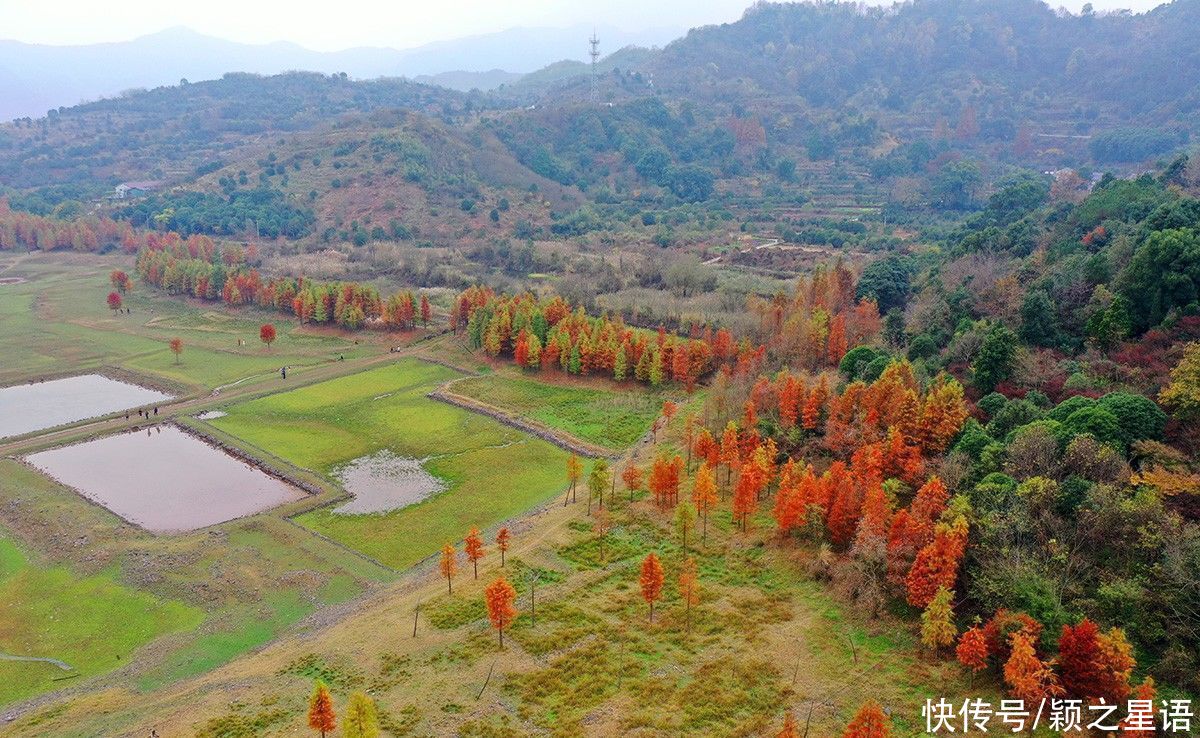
{"type": "Point", "coordinates": [925, 105]}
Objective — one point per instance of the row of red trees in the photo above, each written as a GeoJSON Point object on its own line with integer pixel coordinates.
{"type": "Point", "coordinates": [171, 267]}
{"type": "Point", "coordinates": [22, 230]}
{"type": "Point", "coordinates": [552, 334]}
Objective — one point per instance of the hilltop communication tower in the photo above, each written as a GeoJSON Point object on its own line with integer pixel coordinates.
{"type": "Point", "coordinates": [595, 54]}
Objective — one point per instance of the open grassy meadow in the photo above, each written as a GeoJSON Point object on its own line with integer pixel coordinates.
{"type": "Point", "coordinates": [607, 417]}
{"type": "Point", "coordinates": [80, 585]}
{"type": "Point", "coordinates": [493, 472]}
{"type": "Point", "coordinates": [89, 622]}
{"type": "Point", "coordinates": [57, 321]}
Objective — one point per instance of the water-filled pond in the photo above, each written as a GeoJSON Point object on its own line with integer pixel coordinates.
{"type": "Point", "coordinates": [164, 479]}
{"type": "Point", "coordinates": [29, 407]}
{"type": "Point", "coordinates": [384, 481]}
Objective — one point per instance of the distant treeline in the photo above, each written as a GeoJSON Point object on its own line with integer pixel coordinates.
{"type": "Point", "coordinates": [197, 268]}
{"type": "Point", "coordinates": [261, 212]}
{"type": "Point", "coordinates": [24, 230]}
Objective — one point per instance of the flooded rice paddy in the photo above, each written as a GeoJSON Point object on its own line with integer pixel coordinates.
{"type": "Point", "coordinates": [25, 408]}
{"type": "Point", "coordinates": [383, 482]}
{"type": "Point", "coordinates": [164, 479]}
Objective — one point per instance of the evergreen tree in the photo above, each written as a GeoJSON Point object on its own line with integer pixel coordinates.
{"type": "Point", "coordinates": [994, 361]}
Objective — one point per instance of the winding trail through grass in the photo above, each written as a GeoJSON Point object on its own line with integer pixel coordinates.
{"type": "Point", "coordinates": [41, 659]}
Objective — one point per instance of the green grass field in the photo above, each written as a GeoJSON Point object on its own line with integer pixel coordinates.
{"type": "Point", "coordinates": [614, 419]}
{"type": "Point", "coordinates": [493, 472]}
{"type": "Point", "coordinates": [107, 589]}
{"type": "Point", "coordinates": [58, 320]}
{"type": "Point", "coordinates": [92, 623]}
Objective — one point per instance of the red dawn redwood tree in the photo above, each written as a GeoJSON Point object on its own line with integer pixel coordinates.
{"type": "Point", "coordinates": [651, 581]}
{"type": "Point", "coordinates": [473, 546]}
{"type": "Point", "coordinates": [321, 717]}
{"type": "Point", "coordinates": [500, 597]}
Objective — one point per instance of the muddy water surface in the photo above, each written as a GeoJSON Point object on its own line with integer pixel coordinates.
{"type": "Point", "coordinates": [164, 479]}
{"type": "Point", "coordinates": [384, 481]}
{"type": "Point", "coordinates": [30, 407]}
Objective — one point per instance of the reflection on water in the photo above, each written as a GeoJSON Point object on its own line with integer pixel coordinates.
{"type": "Point", "coordinates": [166, 481]}
{"type": "Point", "coordinates": [29, 407]}
{"type": "Point", "coordinates": [384, 481]}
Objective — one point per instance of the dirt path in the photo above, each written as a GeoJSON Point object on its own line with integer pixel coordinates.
{"type": "Point", "coordinates": [766, 245]}
{"type": "Point", "coordinates": [42, 659]}
{"type": "Point", "coordinates": [559, 438]}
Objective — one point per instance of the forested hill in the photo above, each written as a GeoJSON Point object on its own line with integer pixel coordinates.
{"type": "Point", "coordinates": [167, 131]}
{"type": "Point", "coordinates": [929, 57]}
{"type": "Point", "coordinates": [923, 53]}
{"type": "Point", "coordinates": [926, 103]}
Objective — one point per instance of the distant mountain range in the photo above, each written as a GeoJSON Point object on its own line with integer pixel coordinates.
{"type": "Point", "coordinates": [36, 78]}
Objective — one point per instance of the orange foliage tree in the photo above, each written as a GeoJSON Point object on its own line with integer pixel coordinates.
{"type": "Point", "coordinates": [730, 454]}
{"type": "Point", "coordinates": [669, 409]}
{"type": "Point", "coordinates": [120, 280]}
{"type": "Point", "coordinates": [660, 481]}
{"type": "Point", "coordinates": [448, 565]}
{"type": "Point", "coordinates": [789, 498]}
{"type": "Point", "coordinates": [503, 539]}
{"type": "Point", "coordinates": [998, 632]}
{"type": "Point", "coordinates": [500, 597]}
{"type": "Point", "coordinates": [706, 448]}
{"type": "Point", "coordinates": [789, 727]}
{"type": "Point", "coordinates": [651, 581]}
{"type": "Point", "coordinates": [912, 528]}
{"type": "Point", "coordinates": [473, 546]}
{"type": "Point", "coordinates": [1094, 665]}
{"type": "Point", "coordinates": [937, 564]}
{"type": "Point", "coordinates": [972, 650]}
{"type": "Point", "coordinates": [704, 496]}
{"type": "Point", "coordinates": [320, 710]}
{"type": "Point", "coordinates": [632, 477]}
{"type": "Point", "coordinates": [876, 514]}
{"type": "Point", "coordinates": [845, 503]}
{"type": "Point", "coordinates": [1027, 676]}
{"type": "Point", "coordinates": [1140, 720]}
{"type": "Point", "coordinates": [745, 495]}
{"type": "Point", "coordinates": [869, 722]}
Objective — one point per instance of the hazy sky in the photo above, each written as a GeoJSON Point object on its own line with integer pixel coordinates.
{"type": "Point", "coordinates": [330, 26]}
